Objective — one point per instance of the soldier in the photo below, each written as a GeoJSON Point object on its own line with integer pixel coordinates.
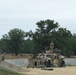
{"type": "Point", "coordinates": [30, 61]}
{"type": "Point", "coordinates": [2, 56]}
{"type": "Point", "coordinates": [51, 45]}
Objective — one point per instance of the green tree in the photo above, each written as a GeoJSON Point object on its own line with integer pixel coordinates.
{"type": "Point", "coordinates": [71, 46]}
{"type": "Point", "coordinates": [47, 31]}
{"type": "Point", "coordinates": [4, 44]}
{"type": "Point", "coordinates": [42, 35]}
{"type": "Point", "coordinates": [28, 46]}
{"type": "Point", "coordinates": [60, 38]}
{"type": "Point", "coordinates": [16, 40]}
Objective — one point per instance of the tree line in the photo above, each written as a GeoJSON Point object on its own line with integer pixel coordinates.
{"type": "Point", "coordinates": [16, 41]}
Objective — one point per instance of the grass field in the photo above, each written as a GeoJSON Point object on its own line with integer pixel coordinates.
{"type": "Point", "coordinates": [5, 72]}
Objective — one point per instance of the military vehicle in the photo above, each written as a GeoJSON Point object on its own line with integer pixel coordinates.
{"type": "Point", "coordinates": [49, 58]}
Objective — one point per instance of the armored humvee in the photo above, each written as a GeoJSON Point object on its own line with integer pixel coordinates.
{"type": "Point", "coordinates": [49, 58]}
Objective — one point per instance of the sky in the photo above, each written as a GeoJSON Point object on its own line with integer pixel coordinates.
{"type": "Point", "coordinates": [24, 14]}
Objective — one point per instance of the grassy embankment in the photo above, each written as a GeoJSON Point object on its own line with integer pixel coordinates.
{"type": "Point", "coordinates": [5, 72]}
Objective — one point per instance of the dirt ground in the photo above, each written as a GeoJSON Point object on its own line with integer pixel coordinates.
{"type": "Point", "coordinates": [70, 70]}
{"type": "Point", "coordinates": [20, 56]}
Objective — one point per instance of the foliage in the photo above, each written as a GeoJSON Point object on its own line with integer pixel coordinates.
{"type": "Point", "coordinates": [38, 41]}
{"type": "Point", "coordinates": [15, 38]}
{"type": "Point", "coordinates": [48, 31]}
{"type": "Point", "coordinates": [4, 44]}
{"type": "Point", "coordinates": [28, 46]}
{"type": "Point", "coordinates": [71, 46]}
{"type": "Point", "coordinates": [42, 36]}
{"type": "Point", "coordinates": [60, 38]}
